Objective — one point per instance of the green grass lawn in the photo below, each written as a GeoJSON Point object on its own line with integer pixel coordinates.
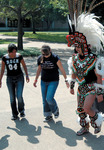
{"type": "Point", "coordinates": [58, 37]}
{"type": "Point", "coordinates": [5, 41]}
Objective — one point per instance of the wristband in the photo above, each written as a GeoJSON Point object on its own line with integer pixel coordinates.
{"type": "Point", "coordinates": [99, 91]}
{"type": "Point", "coordinates": [66, 80]}
{"type": "Point", "coordinates": [72, 84]}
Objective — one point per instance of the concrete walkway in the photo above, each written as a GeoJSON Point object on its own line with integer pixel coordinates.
{"type": "Point", "coordinates": [31, 133]}
{"type": "Point", "coordinates": [27, 42]}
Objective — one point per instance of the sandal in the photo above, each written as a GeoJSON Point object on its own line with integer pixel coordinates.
{"type": "Point", "coordinates": [82, 131]}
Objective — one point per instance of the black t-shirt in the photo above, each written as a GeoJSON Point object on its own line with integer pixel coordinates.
{"type": "Point", "coordinates": [13, 64]}
{"type": "Point", "coordinates": [49, 68]}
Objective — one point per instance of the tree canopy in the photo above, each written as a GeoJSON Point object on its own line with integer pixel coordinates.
{"type": "Point", "coordinates": [47, 10]}
{"type": "Point", "coordinates": [20, 9]}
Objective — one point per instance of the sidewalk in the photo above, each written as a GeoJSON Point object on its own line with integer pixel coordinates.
{"type": "Point", "coordinates": [31, 133]}
{"type": "Point", "coordinates": [27, 42]}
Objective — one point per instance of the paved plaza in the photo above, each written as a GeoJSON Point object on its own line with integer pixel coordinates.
{"type": "Point", "coordinates": [31, 133]}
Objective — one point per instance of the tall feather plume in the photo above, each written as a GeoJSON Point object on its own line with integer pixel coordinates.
{"type": "Point", "coordinates": [70, 24]}
{"type": "Point", "coordinates": [75, 5]}
{"type": "Point", "coordinates": [81, 5]}
{"type": "Point", "coordinates": [91, 5]}
{"type": "Point", "coordinates": [95, 6]}
{"type": "Point", "coordinates": [74, 2]}
{"type": "Point", "coordinates": [70, 6]}
{"type": "Point", "coordinates": [78, 8]}
{"type": "Point", "coordinates": [85, 6]}
{"type": "Point", "coordinates": [75, 10]}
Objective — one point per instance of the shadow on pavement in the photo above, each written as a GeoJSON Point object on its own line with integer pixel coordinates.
{"type": "Point", "coordinates": [23, 128]}
{"type": "Point", "coordinates": [94, 142]}
{"type": "Point", "coordinates": [71, 138]}
{"type": "Point", "coordinates": [63, 132]}
{"type": "Point", "coordinates": [4, 142]}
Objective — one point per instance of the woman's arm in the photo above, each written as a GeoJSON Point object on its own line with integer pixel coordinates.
{"type": "Point", "coordinates": [2, 72]}
{"type": "Point", "coordinates": [59, 64]}
{"type": "Point", "coordinates": [25, 69]}
{"type": "Point", "coordinates": [37, 75]}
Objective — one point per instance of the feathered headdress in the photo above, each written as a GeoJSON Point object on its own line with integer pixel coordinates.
{"type": "Point", "coordinates": [85, 29]}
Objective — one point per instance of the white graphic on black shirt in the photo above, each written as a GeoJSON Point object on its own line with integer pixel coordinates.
{"type": "Point", "coordinates": [12, 66]}
{"type": "Point", "coordinates": [48, 65]}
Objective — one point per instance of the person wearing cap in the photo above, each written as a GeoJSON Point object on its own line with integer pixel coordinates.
{"type": "Point", "coordinates": [15, 79]}
{"type": "Point", "coordinates": [48, 66]}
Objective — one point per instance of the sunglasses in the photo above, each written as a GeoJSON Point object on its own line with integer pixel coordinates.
{"type": "Point", "coordinates": [45, 54]}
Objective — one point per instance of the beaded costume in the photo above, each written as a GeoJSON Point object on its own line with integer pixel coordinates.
{"type": "Point", "coordinates": [84, 68]}
{"type": "Point", "coordinates": [85, 32]}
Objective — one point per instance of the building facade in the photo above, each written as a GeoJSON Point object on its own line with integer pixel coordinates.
{"type": "Point", "coordinates": [11, 25]}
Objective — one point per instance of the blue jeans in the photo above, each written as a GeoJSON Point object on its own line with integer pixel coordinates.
{"type": "Point", "coordinates": [15, 87]}
{"type": "Point", "coordinates": [48, 90]}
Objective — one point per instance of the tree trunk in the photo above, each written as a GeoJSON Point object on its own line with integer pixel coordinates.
{"type": "Point", "coordinates": [20, 32]}
{"type": "Point", "coordinates": [33, 25]}
{"type": "Point", "coordinates": [34, 30]}
{"type": "Point", "coordinates": [48, 25]}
